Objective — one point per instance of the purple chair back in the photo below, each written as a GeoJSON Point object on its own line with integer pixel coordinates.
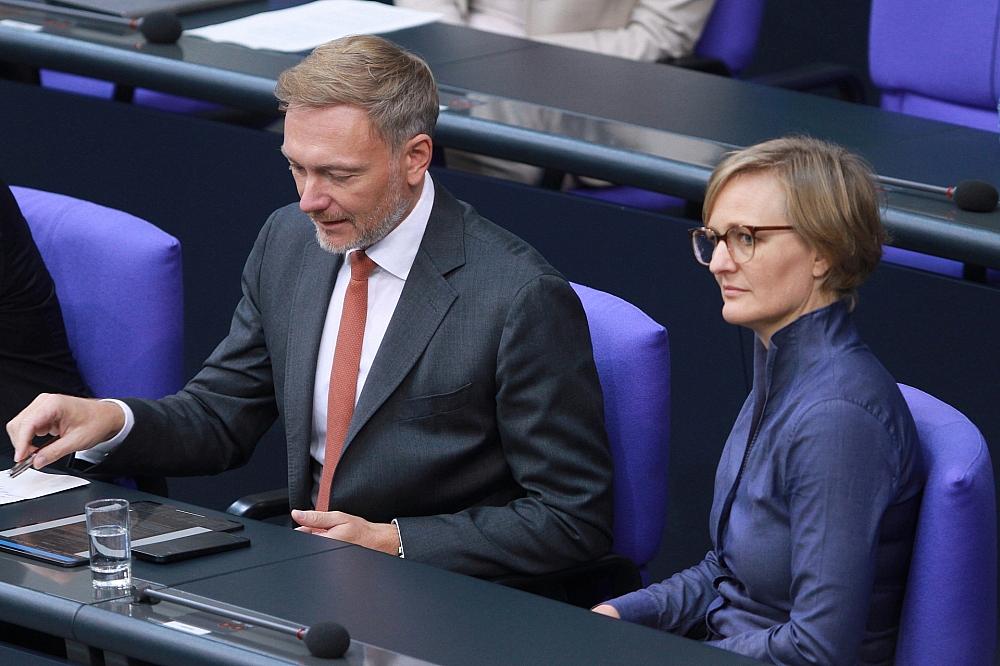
{"type": "Point", "coordinates": [924, 262]}
{"type": "Point", "coordinates": [731, 33]}
{"type": "Point", "coordinates": [950, 610]}
{"type": "Point", "coordinates": [937, 60]}
{"type": "Point", "coordinates": [119, 284]}
{"type": "Point", "coordinates": [632, 353]}
{"type": "Point", "coordinates": [90, 87]}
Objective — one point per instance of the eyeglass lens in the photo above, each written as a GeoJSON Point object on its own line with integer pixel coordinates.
{"type": "Point", "coordinates": [739, 241]}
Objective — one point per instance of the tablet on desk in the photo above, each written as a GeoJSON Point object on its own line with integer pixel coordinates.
{"type": "Point", "coordinates": [184, 548]}
{"type": "Point", "coordinates": [64, 542]}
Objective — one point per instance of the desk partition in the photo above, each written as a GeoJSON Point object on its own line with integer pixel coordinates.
{"type": "Point", "coordinates": [666, 106]}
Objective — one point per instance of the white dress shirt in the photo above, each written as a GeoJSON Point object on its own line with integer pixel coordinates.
{"type": "Point", "coordinates": [393, 256]}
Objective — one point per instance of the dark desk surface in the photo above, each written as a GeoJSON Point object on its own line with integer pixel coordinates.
{"type": "Point", "coordinates": [607, 122]}
{"type": "Point", "coordinates": [409, 608]}
{"type": "Point", "coordinates": [266, 547]}
{"type": "Point", "coordinates": [388, 605]}
{"type": "Point", "coordinates": [51, 595]}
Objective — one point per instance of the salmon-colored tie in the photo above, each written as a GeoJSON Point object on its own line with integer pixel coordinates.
{"type": "Point", "coordinates": [344, 374]}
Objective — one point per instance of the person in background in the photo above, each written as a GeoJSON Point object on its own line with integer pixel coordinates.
{"type": "Point", "coordinates": [646, 30]}
{"type": "Point", "coordinates": [34, 353]}
{"type": "Point", "coordinates": [818, 487]}
{"type": "Point", "coordinates": [433, 373]}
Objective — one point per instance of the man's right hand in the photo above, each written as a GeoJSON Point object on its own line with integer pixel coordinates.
{"type": "Point", "coordinates": [78, 423]}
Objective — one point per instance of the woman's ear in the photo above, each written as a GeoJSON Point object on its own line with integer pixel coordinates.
{"type": "Point", "coordinates": [821, 266]}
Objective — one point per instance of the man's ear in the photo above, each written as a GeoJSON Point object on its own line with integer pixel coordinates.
{"type": "Point", "coordinates": [417, 153]}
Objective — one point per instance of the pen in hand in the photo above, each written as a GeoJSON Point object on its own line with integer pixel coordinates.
{"type": "Point", "coordinates": [40, 442]}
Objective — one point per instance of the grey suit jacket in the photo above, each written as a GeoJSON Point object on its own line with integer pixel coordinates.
{"type": "Point", "coordinates": [480, 425]}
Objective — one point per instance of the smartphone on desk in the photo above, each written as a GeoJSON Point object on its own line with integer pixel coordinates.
{"type": "Point", "coordinates": [195, 545]}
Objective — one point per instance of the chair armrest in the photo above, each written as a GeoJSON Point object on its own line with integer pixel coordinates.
{"type": "Point", "coordinates": [267, 504]}
{"type": "Point", "coordinates": [584, 585]}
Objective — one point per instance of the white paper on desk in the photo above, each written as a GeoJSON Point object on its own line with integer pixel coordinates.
{"type": "Point", "coordinates": [307, 26]}
{"type": "Point", "coordinates": [31, 484]}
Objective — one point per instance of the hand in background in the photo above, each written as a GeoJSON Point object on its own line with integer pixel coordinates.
{"type": "Point", "coordinates": [78, 424]}
{"type": "Point", "coordinates": [607, 609]}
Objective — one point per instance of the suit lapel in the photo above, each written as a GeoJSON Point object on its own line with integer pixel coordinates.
{"type": "Point", "coordinates": [423, 304]}
{"type": "Point", "coordinates": [317, 275]}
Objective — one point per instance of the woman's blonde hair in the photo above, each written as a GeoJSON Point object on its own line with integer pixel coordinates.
{"type": "Point", "coordinates": [831, 200]}
{"type": "Point", "coordinates": [395, 87]}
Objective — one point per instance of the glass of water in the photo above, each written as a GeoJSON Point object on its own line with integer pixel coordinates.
{"type": "Point", "coordinates": [110, 552]}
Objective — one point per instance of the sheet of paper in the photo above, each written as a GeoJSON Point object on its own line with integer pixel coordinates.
{"type": "Point", "coordinates": [32, 483]}
{"type": "Point", "coordinates": [307, 26]}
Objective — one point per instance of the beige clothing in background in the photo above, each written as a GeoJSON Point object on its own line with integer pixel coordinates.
{"type": "Point", "coordinates": [635, 29]}
{"type": "Point", "coordinates": [647, 30]}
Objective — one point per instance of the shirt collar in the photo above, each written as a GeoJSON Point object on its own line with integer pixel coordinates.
{"type": "Point", "coordinates": [395, 253]}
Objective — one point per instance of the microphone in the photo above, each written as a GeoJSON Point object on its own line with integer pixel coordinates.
{"type": "Point", "coordinates": [971, 195]}
{"type": "Point", "coordinates": [156, 27]}
{"type": "Point", "coordinates": [325, 640]}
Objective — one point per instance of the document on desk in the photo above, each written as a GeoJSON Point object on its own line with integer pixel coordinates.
{"type": "Point", "coordinates": [32, 484]}
{"type": "Point", "coordinates": [307, 26]}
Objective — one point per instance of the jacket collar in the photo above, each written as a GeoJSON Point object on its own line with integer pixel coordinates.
{"type": "Point", "coordinates": [800, 345]}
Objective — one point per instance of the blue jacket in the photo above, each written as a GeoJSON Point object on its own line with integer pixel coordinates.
{"type": "Point", "coordinates": [816, 500]}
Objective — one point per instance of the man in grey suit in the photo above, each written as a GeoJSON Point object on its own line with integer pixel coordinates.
{"type": "Point", "coordinates": [472, 423]}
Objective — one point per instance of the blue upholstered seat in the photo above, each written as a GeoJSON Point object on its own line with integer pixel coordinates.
{"type": "Point", "coordinates": [633, 362]}
{"type": "Point", "coordinates": [950, 609]}
{"type": "Point", "coordinates": [119, 282]}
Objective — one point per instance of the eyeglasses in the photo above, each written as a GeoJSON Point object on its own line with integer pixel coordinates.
{"type": "Point", "coordinates": [740, 241]}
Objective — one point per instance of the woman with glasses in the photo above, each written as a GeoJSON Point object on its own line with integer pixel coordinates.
{"type": "Point", "coordinates": [818, 487]}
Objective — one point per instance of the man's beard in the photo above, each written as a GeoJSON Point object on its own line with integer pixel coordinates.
{"type": "Point", "coordinates": [388, 213]}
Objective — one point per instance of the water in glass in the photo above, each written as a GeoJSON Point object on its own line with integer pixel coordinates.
{"type": "Point", "coordinates": [108, 532]}
{"type": "Point", "coordinates": [109, 556]}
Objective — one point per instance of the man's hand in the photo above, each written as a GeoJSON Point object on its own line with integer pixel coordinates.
{"type": "Point", "coordinates": [78, 423]}
{"type": "Point", "coordinates": [607, 609]}
{"type": "Point", "coordinates": [345, 527]}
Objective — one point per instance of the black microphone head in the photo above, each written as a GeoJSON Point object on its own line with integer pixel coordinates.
{"type": "Point", "coordinates": [160, 28]}
{"type": "Point", "coordinates": [975, 196]}
{"type": "Point", "coordinates": [327, 640]}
